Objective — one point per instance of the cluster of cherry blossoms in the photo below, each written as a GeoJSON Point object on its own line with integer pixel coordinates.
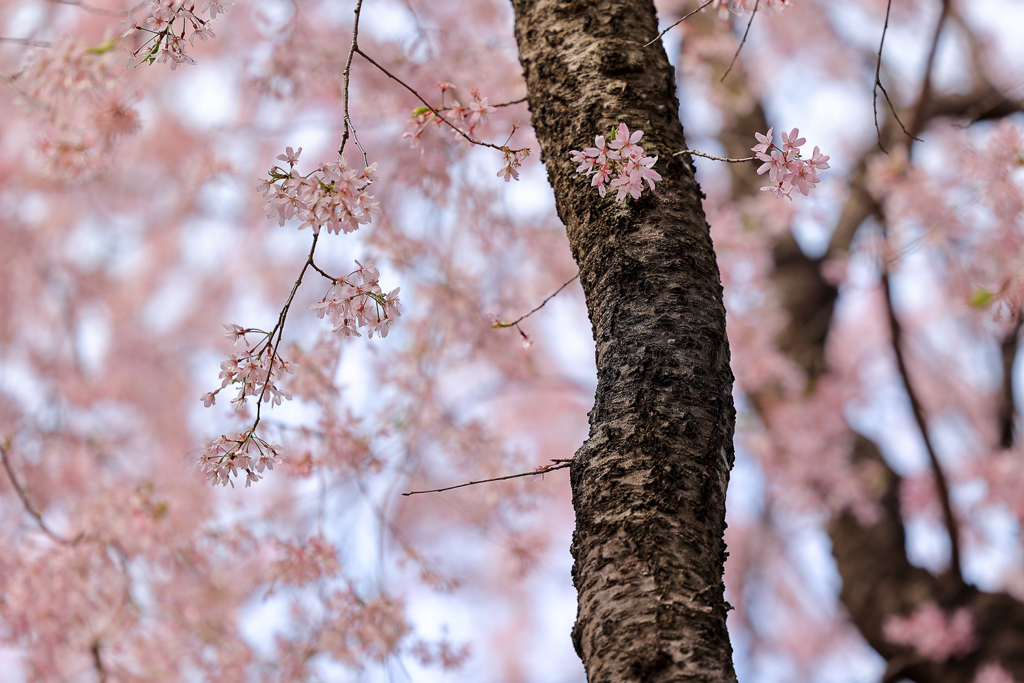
{"type": "Point", "coordinates": [167, 41]}
{"type": "Point", "coordinates": [87, 101]}
{"type": "Point", "coordinates": [933, 633]}
{"type": "Point", "coordinates": [513, 160]}
{"type": "Point", "coordinates": [245, 451]}
{"type": "Point", "coordinates": [358, 301]}
{"type": "Point", "coordinates": [463, 118]}
{"type": "Point", "coordinates": [252, 370]}
{"type": "Point", "coordinates": [332, 196]}
{"type": "Point", "coordinates": [622, 158]}
{"type": "Point", "coordinates": [784, 165]}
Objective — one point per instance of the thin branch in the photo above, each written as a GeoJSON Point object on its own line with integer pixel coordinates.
{"type": "Point", "coordinates": [346, 75]}
{"type": "Point", "coordinates": [559, 464]}
{"type": "Point", "coordinates": [322, 272]}
{"type": "Point", "coordinates": [97, 662]}
{"type": "Point", "coordinates": [279, 330]}
{"type": "Point", "coordinates": [95, 10]}
{"type": "Point", "coordinates": [742, 42]}
{"type": "Point", "coordinates": [674, 24]}
{"type": "Point", "coordinates": [708, 156]}
{"type": "Point", "coordinates": [426, 104]}
{"type": "Point", "coordinates": [26, 503]}
{"type": "Point", "coordinates": [39, 104]}
{"type": "Point", "coordinates": [878, 86]}
{"type": "Point", "coordinates": [1007, 405]}
{"type": "Point", "coordinates": [354, 49]}
{"type": "Point", "coordinates": [26, 41]}
{"type": "Point", "coordinates": [510, 102]}
{"type": "Point", "coordinates": [917, 122]}
{"type": "Point", "coordinates": [941, 485]}
{"type": "Point", "coordinates": [501, 324]}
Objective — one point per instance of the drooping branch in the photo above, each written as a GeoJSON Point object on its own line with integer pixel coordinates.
{"type": "Point", "coordinates": [878, 85]}
{"type": "Point", "coordinates": [941, 483]}
{"type": "Point", "coordinates": [25, 502]}
{"type": "Point", "coordinates": [743, 41]}
{"type": "Point", "coordinates": [1007, 404]}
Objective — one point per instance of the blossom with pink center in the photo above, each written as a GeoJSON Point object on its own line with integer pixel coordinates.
{"type": "Point", "coordinates": [480, 109]}
{"type": "Point", "coordinates": [600, 152]}
{"type": "Point", "coordinates": [764, 143]}
{"type": "Point", "coordinates": [792, 141]}
{"type": "Point", "coordinates": [625, 143]}
{"type": "Point", "coordinates": [784, 165]}
{"type": "Point", "coordinates": [621, 158]}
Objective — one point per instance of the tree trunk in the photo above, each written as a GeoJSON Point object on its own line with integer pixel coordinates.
{"type": "Point", "coordinates": [649, 483]}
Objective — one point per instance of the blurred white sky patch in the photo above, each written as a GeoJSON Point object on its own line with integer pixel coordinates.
{"type": "Point", "coordinates": [208, 97]}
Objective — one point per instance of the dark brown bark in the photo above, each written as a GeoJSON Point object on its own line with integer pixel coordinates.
{"type": "Point", "coordinates": [649, 484]}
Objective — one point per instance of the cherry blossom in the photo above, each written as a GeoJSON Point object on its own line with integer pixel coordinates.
{"type": "Point", "coordinates": [358, 301]}
{"type": "Point", "coordinates": [621, 157]}
{"type": "Point", "coordinates": [166, 41]}
{"type": "Point", "coordinates": [933, 633]}
{"type": "Point", "coordinates": [333, 196]}
{"type": "Point", "coordinates": [784, 165]}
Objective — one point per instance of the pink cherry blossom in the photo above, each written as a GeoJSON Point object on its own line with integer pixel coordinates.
{"type": "Point", "coordinates": [625, 144]}
{"type": "Point", "coordinates": [623, 159]}
{"type": "Point", "coordinates": [785, 167]}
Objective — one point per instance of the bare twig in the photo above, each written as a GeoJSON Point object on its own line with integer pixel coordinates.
{"type": "Point", "coordinates": [26, 41]}
{"type": "Point", "coordinates": [346, 75]}
{"type": "Point", "coordinates": [278, 329]}
{"type": "Point", "coordinates": [742, 42]}
{"type": "Point", "coordinates": [676, 23]}
{"type": "Point", "coordinates": [917, 122]}
{"type": "Point", "coordinates": [559, 464]}
{"type": "Point", "coordinates": [95, 10]}
{"type": "Point", "coordinates": [708, 156]}
{"type": "Point", "coordinates": [878, 86]}
{"type": "Point", "coordinates": [501, 324]}
{"type": "Point", "coordinates": [510, 102]}
{"type": "Point", "coordinates": [322, 272]}
{"type": "Point", "coordinates": [941, 485]}
{"type": "Point", "coordinates": [26, 503]}
{"type": "Point", "coordinates": [1007, 405]}
{"type": "Point", "coordinates": [354, 49]}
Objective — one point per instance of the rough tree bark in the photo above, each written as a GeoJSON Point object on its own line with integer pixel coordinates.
{"type": "Point", "coordinates": [649, 483]}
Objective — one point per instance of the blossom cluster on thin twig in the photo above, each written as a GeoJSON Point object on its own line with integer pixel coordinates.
{"type": "Point", "coordinates": [251, 371]}
{"type": "Point", "coordinates": [784, 165]}
{"type": "Point", "coordinates": [245, 452]}
{"type": "Point", "coordinates": [167, 42]}
{"type": "Point", "coordinates": [333, 195]}
{"type": "Point", "coordinates": [463, 119]}
{"type": "Point", "coordinates": [358, 301]}
{"type": "Point", "coordinates": [620, 157]}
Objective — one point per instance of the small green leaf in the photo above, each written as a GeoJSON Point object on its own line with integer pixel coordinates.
{"type": "Point", "coordinates": [981, 298]}
{"type": "Point", "coordinates": [103, 48]}
{"type": "Point", "coordinates": [419, 111]}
